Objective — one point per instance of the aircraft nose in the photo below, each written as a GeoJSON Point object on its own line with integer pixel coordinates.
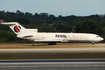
{"type": "Point", "coordinates": [101, 38]}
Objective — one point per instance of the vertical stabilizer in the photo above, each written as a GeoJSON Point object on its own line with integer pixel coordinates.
{"type": "Point", "coordinates": [15, 26]}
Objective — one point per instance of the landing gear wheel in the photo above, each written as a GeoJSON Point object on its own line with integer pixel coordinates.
{"type": "Point", "coordinates": [93, 43]}
{"type": "Point", "coordinates": [33, 43]}
{"type": "Point", "coordinates": [52, 43]}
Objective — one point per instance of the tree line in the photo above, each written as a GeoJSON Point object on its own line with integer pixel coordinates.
{"type": "Point", "coordinates": [45, 22]}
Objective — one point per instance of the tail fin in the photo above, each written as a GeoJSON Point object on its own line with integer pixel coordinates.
{"type": "Point", "coordinates": [15, 26]}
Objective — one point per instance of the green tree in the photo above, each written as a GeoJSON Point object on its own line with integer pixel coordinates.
{"type": "Point", "coordinates": [52, 29]}
{"type": "Point", "coordinates": [23, 20]}
{"type": "Point", "coordinates": [88, 27]}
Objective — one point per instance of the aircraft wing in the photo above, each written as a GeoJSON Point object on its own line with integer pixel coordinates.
{"type": "Point", "coordinates": [27, 36]}
{"type": "Point", "coordinates": [49, 40]}
{"type": "Point", "coordinates": [24, 36]}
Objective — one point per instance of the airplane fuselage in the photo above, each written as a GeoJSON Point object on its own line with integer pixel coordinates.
{"type": "Point", "coordinates": [64, 37]}
{"type": "Point", "coordinates": [51, 38]}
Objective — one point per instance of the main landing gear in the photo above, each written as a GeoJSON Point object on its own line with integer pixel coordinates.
{"type": "Point", "coordinates": [52, 43]}
{"type": "Point", "coordinates": [33, 43]}
{"type": "Point", "coordinates": [93, 43]}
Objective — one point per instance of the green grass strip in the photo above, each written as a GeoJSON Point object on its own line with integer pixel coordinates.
{"type": "Point", "coordinates": [73, 55]}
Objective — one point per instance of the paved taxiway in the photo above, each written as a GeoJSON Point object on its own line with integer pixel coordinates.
{"type": "Point", "coordinates": [83, 64]}
{"type": "Point", "coordinates": [57, 64]}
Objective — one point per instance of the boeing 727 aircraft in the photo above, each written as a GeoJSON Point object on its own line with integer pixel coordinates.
{"type": "Point", "coordinates": [51, 38]}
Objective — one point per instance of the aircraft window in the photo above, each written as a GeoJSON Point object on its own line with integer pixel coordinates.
{"type": "Point", "coordinates": [97, 36]}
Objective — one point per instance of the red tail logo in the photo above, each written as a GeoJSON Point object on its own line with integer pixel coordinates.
{"type": "Point", "coordinates": [17, 28]}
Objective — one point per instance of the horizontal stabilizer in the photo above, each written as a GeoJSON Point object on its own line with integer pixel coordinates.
{"type": "Point", "coordinates": [9, 23]}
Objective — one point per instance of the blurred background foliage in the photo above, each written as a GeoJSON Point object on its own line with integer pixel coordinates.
{"type": "Point", "coordinates": [50, 23]}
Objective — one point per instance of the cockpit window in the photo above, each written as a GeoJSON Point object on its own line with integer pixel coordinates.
{"type": "Point", "coordinates": [97, 36]}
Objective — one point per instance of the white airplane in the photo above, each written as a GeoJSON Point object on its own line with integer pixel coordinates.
{"type": "Point", "coordinates": [51, 38]}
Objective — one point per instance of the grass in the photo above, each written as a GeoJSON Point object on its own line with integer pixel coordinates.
{"type": "Point", "coordinates": [51, 55]}
{"type": "Point", "coordinates": [73, 55]}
